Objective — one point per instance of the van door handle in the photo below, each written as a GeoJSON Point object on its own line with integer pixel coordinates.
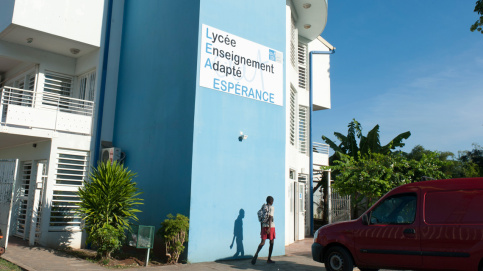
{"type": "Point", "coordinates": [409, 231]}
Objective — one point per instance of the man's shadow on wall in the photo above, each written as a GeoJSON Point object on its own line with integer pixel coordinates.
{"type": "Point", "coordinates": [238, 235]}
{"type": "Point", "coordinates": [238, 238]}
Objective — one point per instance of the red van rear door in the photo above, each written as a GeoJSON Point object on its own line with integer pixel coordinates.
{"type": "Point", "coordinates": [392, 238]}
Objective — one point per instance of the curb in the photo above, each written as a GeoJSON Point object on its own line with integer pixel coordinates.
{"type": "Point", "coordinates": [28, 268]}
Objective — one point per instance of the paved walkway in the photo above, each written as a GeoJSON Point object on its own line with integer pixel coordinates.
{"type": "Point", "coordinates": [297, 258]}
{"type": "Point", "coordinates": [40, 258]}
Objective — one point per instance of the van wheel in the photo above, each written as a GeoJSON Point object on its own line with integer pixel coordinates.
{"type": "Point", "coordinates": [338, 259]}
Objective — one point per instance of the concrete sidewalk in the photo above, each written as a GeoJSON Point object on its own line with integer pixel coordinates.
{"type": "Point", "coordinates": [297, 258]}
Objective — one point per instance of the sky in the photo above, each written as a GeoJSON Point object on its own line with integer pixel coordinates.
{"type": "Point", "coordinates": [408, 66]}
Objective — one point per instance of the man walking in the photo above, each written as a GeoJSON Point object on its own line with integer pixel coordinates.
{"type": "Point", "coordinates": [267, 232]}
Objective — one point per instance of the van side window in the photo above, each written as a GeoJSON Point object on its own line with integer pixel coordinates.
{"type": "Point", "coordinates": [454, 207]}
{"type": "Point", "coordinates": [398, 209]}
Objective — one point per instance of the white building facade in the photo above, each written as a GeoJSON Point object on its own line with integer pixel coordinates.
{"type": "Point", "coordinates": [308, 74]}
{"type": "Point", "coordinates": [49, 52]}
{"type": "Point", "coordinates": [50, 73]}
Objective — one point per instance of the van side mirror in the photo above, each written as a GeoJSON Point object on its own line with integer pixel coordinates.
{"type": "Point", "coordinates": [365, 219]}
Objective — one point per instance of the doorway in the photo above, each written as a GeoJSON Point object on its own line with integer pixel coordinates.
{"type": "Point", "coordinates": [29, 194]}
{"type": "Point", "coordinates": [300, 189]}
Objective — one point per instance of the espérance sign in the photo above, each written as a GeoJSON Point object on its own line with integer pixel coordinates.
{"type": "Point", "coordinates": [240, 67]}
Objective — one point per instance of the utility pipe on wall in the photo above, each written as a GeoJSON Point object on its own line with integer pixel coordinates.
{"type": "Point", "coordinates": [311, 145]}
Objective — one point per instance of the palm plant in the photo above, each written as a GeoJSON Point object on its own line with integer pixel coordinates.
{"type": "Point", "coordinates": [370, 143]}
{"type": "Point", "coordinates": [107, 201]}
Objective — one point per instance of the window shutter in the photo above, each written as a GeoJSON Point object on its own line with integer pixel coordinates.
{"type": "Point", "coordinates": [303, 124]}
{"type": "Point", "coordinates": [58, 84]}
{"type": "Point", "coordinates": [292, 116]}
{"type": "Point", "coordinates": [293, 42]}
{"type": "Point", "coordinates": [71, 171]}
{"type": "Point", "coordinates": [302, 65]}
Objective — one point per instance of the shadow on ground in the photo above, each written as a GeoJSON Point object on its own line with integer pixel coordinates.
{"type": "Point", "coordinates": [293, 263]}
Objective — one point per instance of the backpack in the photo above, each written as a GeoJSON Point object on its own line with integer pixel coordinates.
{"type": "Point", "coordinates": [263, 214]}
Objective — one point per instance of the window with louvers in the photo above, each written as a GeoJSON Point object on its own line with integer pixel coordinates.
{"type": "Point", "coordinates": [71, 170]}
{"type": "Point", "coordinates": [302, 65]}
{"type": "Point", "coordinates": [303, 125]}
{"type": "Point", "coordinates": [71, 167]}
{"type": "Point", "coordinates": [293, 42]}
{"type": "Point", "coordinates": [57, 85]}
{"type": "Point", "coordinates": [63, 211]}
{"type": "Point", "coordinates": [292, 116]}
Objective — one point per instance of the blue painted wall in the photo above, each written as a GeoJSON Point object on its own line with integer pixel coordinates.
{"type": "Point", "coordinates": [229, 175]}
{"type": "Point", "coordinates": [182, 139]}
{"type": "Point", "coordinates": [155, 102]}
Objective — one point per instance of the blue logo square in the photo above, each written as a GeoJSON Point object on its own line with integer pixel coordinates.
{"type": "Point", "coordinates": [271, 55]}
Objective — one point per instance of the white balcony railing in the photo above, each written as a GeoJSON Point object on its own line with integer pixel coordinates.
{"type": "Point", "coordinates": [44, 110]}
{"type": "Point", "coordinates": [320, 154]}
{"type": "Point", "coordinates": [320, 148]}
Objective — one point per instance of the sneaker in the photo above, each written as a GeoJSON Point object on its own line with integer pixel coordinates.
{"type": "Point", "coordinates": [254, 259]}
{"type": "Point", "coordinates": [270, 261]}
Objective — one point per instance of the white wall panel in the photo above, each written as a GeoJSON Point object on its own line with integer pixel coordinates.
{"type": "Point", "coordinates": [77, 20]}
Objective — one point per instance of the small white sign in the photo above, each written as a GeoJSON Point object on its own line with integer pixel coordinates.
{"type": "Point", "coordinates": [240, 67]}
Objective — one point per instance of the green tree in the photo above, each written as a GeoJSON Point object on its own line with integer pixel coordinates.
{"type": "Point", "coordinates": [430, 165]}
{"type": "Point", "coordinates": [467, 164]}
{"type": "Point", "coordinates": [450, 167]}
{"type": "Point", "coordinates": [472, 161]}
{"type": "Point", "coordinates": [479, 23]}
{"type": "Point", "coordinates": [418, 151]}
{"type": "Point", "coordinates": [107, 204]}
{"type": "Point", "coordinates": [372, 175]}
{"type": "Point", "coordinates": [365, 179]}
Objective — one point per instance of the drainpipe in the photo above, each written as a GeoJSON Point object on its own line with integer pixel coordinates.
{"type": "Point", "coordinates": [311, 161]}
{"type": "Point", "coordinates": [102, 87]}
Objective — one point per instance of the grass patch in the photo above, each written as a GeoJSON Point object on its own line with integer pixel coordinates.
{"type": "Point", "coordinates": [8, 266]}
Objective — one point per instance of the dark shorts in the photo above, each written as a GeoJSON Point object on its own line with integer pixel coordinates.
{"type": "Point", "coordinates": [266, 236]}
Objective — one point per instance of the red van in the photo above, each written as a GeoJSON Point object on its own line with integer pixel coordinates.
{"type": "Point", "coordinates": [431, 225]}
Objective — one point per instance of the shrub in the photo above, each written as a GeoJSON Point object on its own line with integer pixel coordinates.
{"type": "Point", "coordinates": [107, 239]}
{"type": "Point", "coordinates": [107, 201]}
{"type": "Point", "coordinates": [174, 231]}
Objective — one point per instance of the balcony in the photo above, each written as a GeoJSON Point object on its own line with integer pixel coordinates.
{"type": "Point", "coordinates": [312, 17]}
{"type": "Point", "coordinates": [320, 154]}
{"type": "Point", "coordinates": [44, 111]}
{"type": "Point", "coordinates": [53, 26]}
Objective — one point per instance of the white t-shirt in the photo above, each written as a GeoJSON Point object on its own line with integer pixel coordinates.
{"type": "Point", "coordinates": [272, 214]}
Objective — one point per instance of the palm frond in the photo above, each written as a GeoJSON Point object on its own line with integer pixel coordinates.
{"type": "Point", "coordinates": [396, 142]}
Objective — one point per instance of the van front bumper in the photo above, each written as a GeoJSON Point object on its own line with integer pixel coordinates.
{"type": "Point", "coordinates": [317, 252]}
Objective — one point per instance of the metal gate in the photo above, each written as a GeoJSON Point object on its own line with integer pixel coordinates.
{"type": "Point", "coordinates": [23, 199]}
{"type": "Point", "coordinates": [339, 207]}
{"type": "Point", "coordinates": [8, 176]}
{"type": "Point", "coordinates": [28, 201]}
